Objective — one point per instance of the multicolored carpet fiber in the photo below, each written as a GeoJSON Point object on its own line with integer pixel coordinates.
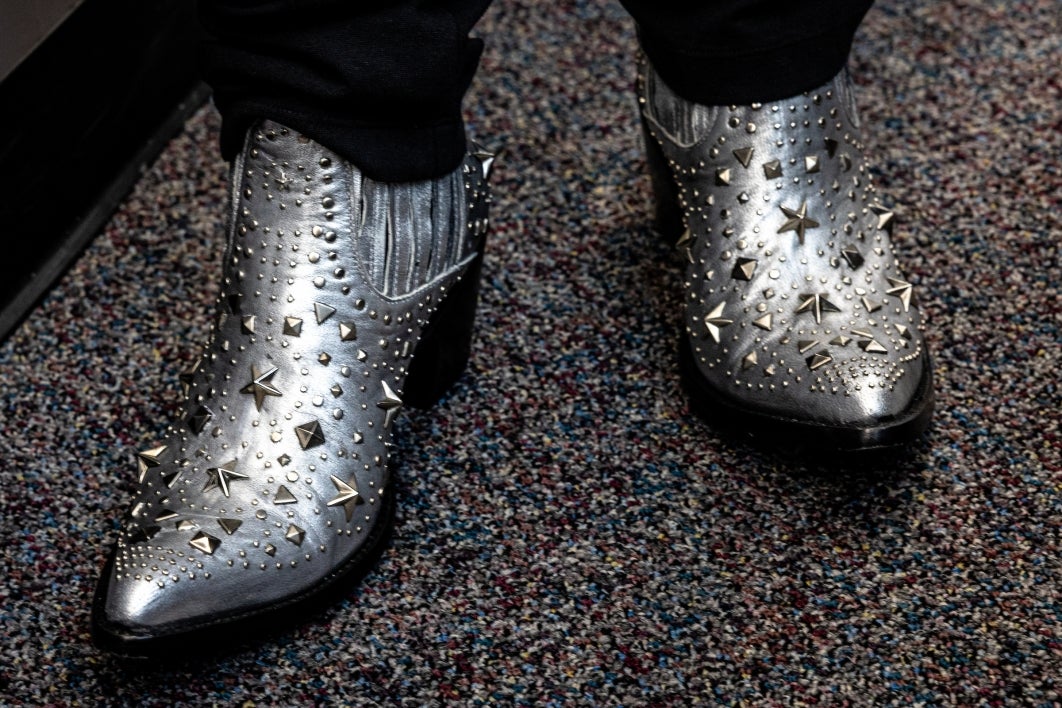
{"type": "Point", "coordinates": [569, 533]}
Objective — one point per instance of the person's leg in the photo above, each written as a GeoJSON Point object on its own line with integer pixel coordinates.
{"type": "Point", "coordinates": [801, 329]}
{"type": "Point", "coordinates": [743, 51]}
{"type": "Point", "coordinates": [380, 83]}
{"type": "Point", "coordinates": [348, 290]}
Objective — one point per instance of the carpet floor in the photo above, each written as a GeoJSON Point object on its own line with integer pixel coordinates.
{"type": "Point", "coordinates": [568, 532]}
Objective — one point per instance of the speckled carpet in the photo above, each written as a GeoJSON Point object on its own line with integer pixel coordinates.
{"type": "Point", "coordinates": [568, 532]}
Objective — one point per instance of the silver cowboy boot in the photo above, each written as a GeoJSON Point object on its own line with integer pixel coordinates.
{"type": "Point", "coordinates": [800, 328]}
{"type": "Point", "coordinates": [342, 299]}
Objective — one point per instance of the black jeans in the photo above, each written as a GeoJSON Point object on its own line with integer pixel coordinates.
{"type": "Point", "coordinates": [381, 82]}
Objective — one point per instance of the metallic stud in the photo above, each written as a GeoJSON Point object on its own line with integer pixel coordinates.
{"type": "Point", "coordinates": [743, 269]}
{"type": "Point", "coordinates": [230, 526]}
{"type": "Point", "coordinates": [872, 346]}
{"type": "Point", "coordinates": [147, 459]}
{"type": "Point", "coordinates": [798, 221]}
{"type": "Point", "coordinates": [347, 496]}
{"type": "Point", "coordinates": [322, 311]}
{"type": "Point", "coordinates": [220, 476]}
{"type": "Point", "coordinates": [715, 321]}
{"type": "Point", "coordinates": [819, 360]}
{"type": "Point", "coordinates": [260, 386]}
{"type": "Point", "coordinates": [205, 543]}
{"type": "Point", "coordinates": [901, 289]}
{"type": "Point", "coordinates": [284, 496]}
{"type": "Point", "coordinates": [295, 535]}
{"type": "Point", "coordinates": [199, 418]}
{"type": "Point", "coordinates": [486, 161]}
{"type": "Point", "coordinates": [884, 215]}
{"type": "Point", "coordinates": [309, 434]}
{"type": "Point", "coordinates": [852, 255]}
{"type": "Point", "coordinates": [772, 169]}
{"type": "Point", "coordinates": [744, 155]}
{"type": "Point", "coordinates": [292, 326]}
{"type": "Point", "coordinates": [347, 331]}
{"type": "Point", "coordinates": [187, 378]}
{"type": "Point", "coordinates": [391, 404]}
{"type": "Point", "coordinates": [817, 304]}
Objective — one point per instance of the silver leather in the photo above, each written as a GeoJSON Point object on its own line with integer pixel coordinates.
{"type": "Point", "coordinates": [795, 302]}
{"type": "Point", "coordinates": [277, 472]}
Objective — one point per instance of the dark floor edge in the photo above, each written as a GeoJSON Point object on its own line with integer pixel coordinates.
{"type": "Point", "coordinates": [81, 234]}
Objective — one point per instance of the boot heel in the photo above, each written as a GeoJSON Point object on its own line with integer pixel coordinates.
{"type": "Point", "coordinates": [668, 219]}
{"type": "Point", "coordinates": [442, 353]}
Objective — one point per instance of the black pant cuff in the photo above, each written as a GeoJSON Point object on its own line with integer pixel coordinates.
{"type": "Point", "coordinates": [758, 77]}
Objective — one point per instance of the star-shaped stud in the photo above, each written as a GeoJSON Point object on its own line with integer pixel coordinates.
{"type": "Point", "coordinates": [715, 321]}
{"type": "Point", "coordinates": [685, 242]}
{"type": "Point", "coordinates": [816, 303]}
{"type": "Point", "coordinates": [187, 378]}
{"type": "Point", "coordinates": [901, 289]}
{"type": "Point", "coordinates": [347, 496]}
{"type": "Point", "coordinates": [486, 161]}
{"type": "Point", "coordinates": [220, 476]}
{"type": "Point", "coordinates": [199, 419]}
{"type": "Point", "coordinates": [391, 403]}
{"type": "Point", "coordinates": [259, 385]}
{"type": "Point", "coordinates": [884, 215]}
{"type": "Point", "coordinates": [147, 459]}
{"type": "Point", "coordinates": [798, 221]}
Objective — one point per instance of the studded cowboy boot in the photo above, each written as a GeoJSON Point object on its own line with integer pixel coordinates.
{"type": "Point", "coordinates": [342, 300]}
{"type": "Point", "coordinates": [800, 328]}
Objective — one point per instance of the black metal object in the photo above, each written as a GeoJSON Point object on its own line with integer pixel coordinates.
{"type": "Point", "coordinates": [94, 102]}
